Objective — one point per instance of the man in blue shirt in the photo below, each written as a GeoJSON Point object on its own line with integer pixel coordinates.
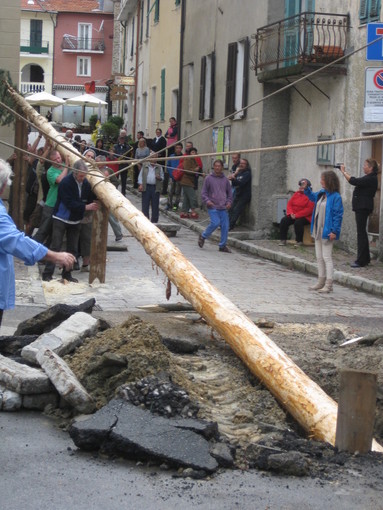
{"type": "Point", "coordinates": [14, 243]}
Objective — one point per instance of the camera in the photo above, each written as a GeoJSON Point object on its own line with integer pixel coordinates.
{"type": "Point", "coordinates": [338, 165]}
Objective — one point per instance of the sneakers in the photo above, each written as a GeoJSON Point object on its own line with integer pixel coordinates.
{"type": "Point", "coordinates": [282, 243]}
{"type": "Point", "coordinates": [46, 278]}
{"type": "Point", "coordinates": [355, 265]}
{"type": "Point", "coordinates": [194, 216]}
{"type": "Point", "coordinates": [175, 208]}
{"type": "Point", "coordinates": [85, 269]}
{"type": "Point", "coordinates": [225, 249]}
{"type": "Point", "coordinates": [298, 243]}
{"type": "Point", "coordinates": [201, 241]}
{"type": "Point", "coordinates": [184, 215]}
{"type": "Point", "coordinates": [118, 238]}
{"type": "Point", "coordinates": [76, 266]}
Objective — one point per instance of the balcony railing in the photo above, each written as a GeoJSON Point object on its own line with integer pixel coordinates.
{"type": "Point", "coordinates": [310, 37]}
{"type": "Point", "coordinates": [28, 86]}
{"type": "Point", "coordinates": [77, 44]}
{"type": "Point", "coordinates": [27, 46]}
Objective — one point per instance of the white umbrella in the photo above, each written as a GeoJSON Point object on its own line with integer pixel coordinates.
{"type": "Point", "coordinates": [85, 100]}
{"type": "Point", "coordinates": [44, 99]}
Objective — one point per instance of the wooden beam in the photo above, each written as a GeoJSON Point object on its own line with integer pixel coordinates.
{"type": "Point", "coordinates": [356, 411]}
{"type": "Point", "coordinates": [98, 245]}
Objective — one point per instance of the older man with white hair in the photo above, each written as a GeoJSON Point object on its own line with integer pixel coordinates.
{"type": "Point", "coordinates": [14, 243]}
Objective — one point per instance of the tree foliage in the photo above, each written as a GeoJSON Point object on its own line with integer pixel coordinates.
{"type": "Point", "coordinates": [6, 118]}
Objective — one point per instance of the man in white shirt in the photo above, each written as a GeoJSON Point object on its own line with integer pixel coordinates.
{"type": "Point", "coordinates": [150, 184]}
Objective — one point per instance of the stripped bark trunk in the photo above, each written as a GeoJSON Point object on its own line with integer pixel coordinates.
{"type": "Point", "coordinates": [297, 393]}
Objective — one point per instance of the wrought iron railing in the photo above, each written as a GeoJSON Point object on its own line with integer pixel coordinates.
{"type": "Point", "coordinates": [308, 37]}
{"type": "Point", "coordinates": [27, 46]}
{"type": "Point", "coordinates": [72, 43]}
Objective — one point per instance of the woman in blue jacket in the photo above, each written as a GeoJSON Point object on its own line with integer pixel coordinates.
{"type": "Point", "coordinates": [326, 223]}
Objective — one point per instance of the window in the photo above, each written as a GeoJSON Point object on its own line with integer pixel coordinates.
{"type": "Point", "coordinates": [132, 39]}
{"type": "Point", "coordinates": [147, 17]}
{"type": "Point", "coordinates": [237, 77]}
{"type": "Point", "coordinates": [190, 91]}
{"type": "Point", "coordinates": [36, 28]}
{"type": "Point", "coordinates": [178, 2]}
{"type": "Point", "coordinates": [156, 11]}
{"type": "Point", "coordinates": [207, 87]}
{"type": "Point", "coordinates": [369, 10]}
{"type": "Point", "coordinates": [84, 36]}
{"type": "Point", "coordinates": [162, 107]}
{"type": "Point", "coordinates": [83, 66]}
{"type": "Point", "coordinates": [141, 22]}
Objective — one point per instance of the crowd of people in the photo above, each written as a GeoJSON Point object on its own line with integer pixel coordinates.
{"type": "Point", "coordinates": [59, 201]}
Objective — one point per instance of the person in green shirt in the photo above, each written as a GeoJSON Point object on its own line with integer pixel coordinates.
{"type": "Point", "coordinates": [55, 175]}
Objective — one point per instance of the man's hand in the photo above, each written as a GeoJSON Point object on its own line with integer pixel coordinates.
{"type": "Point", "coordinates": [61, 258]}
{"type": "Point", "coordinates": [332, 236]}
{"type": "Point", "coordinates": [140, 187]}
{"type": "Point", "coordinates": [92, 207]}
{"type": "Point", "coordinates": [228, 205]}
{"type": "Point", "coordinates": [210, 204]}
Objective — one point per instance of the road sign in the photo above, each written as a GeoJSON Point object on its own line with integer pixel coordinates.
{"type": "Point", "coordinates": [374, 33]}
{"type": "Point", "coordinates": [373, 99]}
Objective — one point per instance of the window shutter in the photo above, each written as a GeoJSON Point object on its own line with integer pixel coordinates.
{"type": "Point", "coordinates": [246, 65]}
{"type": "Point", "coordinates": [374, 10]}
{"type": "Point", "coordinates": [202, 89]}
{"type": "Point", "coordinates": [212, 88]}
{"type": "Point", "coordinates": [231, 78]}
{"type": "Point", "coordinates": [363, 10]}
{"type": "Point", "coordinates": [162, 108]}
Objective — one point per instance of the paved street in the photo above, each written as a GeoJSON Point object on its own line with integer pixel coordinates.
{"type": "Point", "coordinates": [42, 468]}
{"type": "Point", "coordinates": [258, 287]}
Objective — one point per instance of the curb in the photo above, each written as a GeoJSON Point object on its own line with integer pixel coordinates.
{"type": "Point", "coordinates": [290, 261]}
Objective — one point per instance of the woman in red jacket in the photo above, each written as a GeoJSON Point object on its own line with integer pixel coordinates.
{"type": "Point", "coordinates": [299, 212]}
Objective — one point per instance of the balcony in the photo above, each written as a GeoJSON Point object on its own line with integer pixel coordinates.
{"type": "Point", "coordinates": [34, 48]}
{"type": "Point", "coordinates": [74, 44]}
{"type": "Point", "coordinates": [298, 45]}
{"type": "Point", "coordinates": [31, 87]}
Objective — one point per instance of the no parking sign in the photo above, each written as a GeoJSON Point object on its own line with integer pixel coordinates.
{"type": "Point", "coordinates": [373, 100]}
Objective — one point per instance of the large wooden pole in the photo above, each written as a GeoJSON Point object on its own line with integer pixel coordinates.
{"type": "Point", "coordinates": [298, 394]}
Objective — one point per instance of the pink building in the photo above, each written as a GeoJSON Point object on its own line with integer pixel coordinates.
{"type": "Point", "coordinates": [82, 49]}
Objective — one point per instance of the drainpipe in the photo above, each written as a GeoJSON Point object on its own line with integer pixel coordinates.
{"type": "Point", "coordinates": [180, 79]}
{"type": "Point", "coordinates": [136, 70]}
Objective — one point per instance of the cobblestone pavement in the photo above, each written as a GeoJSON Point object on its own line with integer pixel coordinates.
{"type": "Point", "coordinates": [258, 286]}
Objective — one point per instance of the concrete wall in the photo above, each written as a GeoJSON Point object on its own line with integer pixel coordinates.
{"type": "Point", "coordinates": [9, 58]}
{"type": "Point", "coordinates": [211, 26]}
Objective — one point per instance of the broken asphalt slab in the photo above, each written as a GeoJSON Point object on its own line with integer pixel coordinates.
{"type": "Point", "coordinates": [120, 428]}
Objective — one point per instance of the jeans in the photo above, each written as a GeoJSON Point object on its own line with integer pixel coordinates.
{"type": "Point", "coordinates": [72, 236]}
{"type": "Point", "coordinates": [218, 217]}
{"type": "Point", "coordinates": [238, 206]}
{"type": "Point", "coordinates": [323, 252]}
{"type": "Point", "coordinates": [151, 197]}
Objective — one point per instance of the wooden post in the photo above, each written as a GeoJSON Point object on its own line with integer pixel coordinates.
{"type": "Point", "coordinates": [20, 175]}
{"type": "Point", "coordinates": [98, 245]}
{"type": "Point", "coordinates": [356, 411]}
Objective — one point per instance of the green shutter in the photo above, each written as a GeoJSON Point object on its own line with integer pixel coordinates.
{"type": "Point", "coordinates": [157, 11]}
{"type": "Point", "coordinates": [246, 67]}
{"type": "Point", "coordinates": [374, 14]}
{"type": "Point", "coordinates": [231, 78]}
{"type": "Point", "coordinates": [162, 110]}
{"type": "Point", "coordinates": [202, 89]}
{"type": "Point", "coordinates": [178, 2]}
{"type": "Point", "coordinates": [212, 89]}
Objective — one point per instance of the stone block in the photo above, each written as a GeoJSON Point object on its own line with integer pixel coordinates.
{"type": "Point", "coordinates": [65, 381]}
{"type": "Point", "coordinates": [9, 400]}
{"type": "Point", "coordinates": [51, 318]}
{"type": "Point", "coordinates": [23, 379]}
{"type": "Point", "coordinates": [65, 338]}
{"type": "Point", "coordinates": [39, 401]}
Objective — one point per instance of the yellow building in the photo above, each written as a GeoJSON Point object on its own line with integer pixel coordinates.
{"type": "Point", "coordinates": [36, 48]}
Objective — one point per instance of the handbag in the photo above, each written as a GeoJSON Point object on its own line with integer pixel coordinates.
{"type": "Point", "coordinates": [177, 174]}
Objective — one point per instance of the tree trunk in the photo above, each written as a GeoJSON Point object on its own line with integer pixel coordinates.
{"type": "Point", "coordinates": [297, 393]}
